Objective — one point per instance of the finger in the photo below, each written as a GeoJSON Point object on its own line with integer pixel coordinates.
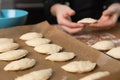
{"type": "Point", "coordinates": [70, 13]}
{"type": "Point", "coordinates": [95, 25]}
{"type": "Point", "coordinates": [71, 30]}
{"type": "Point", "coordinates": [101, 22]}
{"type": "Point", "coordinates": [69, 23]}
{"type": "Point", "coordinates": [106, 22]}
{"type": "Point", "coordinates": [112, 20]}
{"type": "Point", "coordinates": [108, 12]}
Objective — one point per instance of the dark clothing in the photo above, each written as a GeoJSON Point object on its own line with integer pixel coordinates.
{"type": "Point", "coordinates": [83, 8]}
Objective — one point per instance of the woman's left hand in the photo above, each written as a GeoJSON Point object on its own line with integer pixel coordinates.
{"type": "Point", "coordinates": [108, 18]}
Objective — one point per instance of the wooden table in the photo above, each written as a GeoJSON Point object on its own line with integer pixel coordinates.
{"type": "Point", "coordinates": [69, 44]}
{"type": "Point", "coordinates": [91, 37]}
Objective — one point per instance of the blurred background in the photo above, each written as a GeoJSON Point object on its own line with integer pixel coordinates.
{"type": "Point", "coordinates": [34, 7]}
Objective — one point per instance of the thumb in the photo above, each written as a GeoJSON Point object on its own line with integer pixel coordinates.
{"type": "Point", "coordinates": [69, 13]}
{"type": "Point", "coordinates": [108, 12]}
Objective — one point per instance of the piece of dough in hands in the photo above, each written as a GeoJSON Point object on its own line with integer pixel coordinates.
{"type": "Point", "coordinates": [37, 41]}
{"type": "Point", "coordinates": [87, 20]}
{"type": "Point", "coordinates": [103, 45]}
{"type": "Point", "coordinates": [79, 66]}
{"type": "Point", "coordinates": [8, 46]}
{"type": "Point", "coordinates": [96, 76]}
{"type": "Point", "coordinates": [20, 64]}
{"type": "Point", "coordinates": [48, 48]}
{"type": "Point", "coordinates": [31, 35]}
{"type": "Point", "coordinates": [62, 56]}
{"type": "Point", "coordinates": [114, 52]}
{"type": "Point", "coordinates": [43, 74]}
{"type": "Point", "coordinates": [13, 54]}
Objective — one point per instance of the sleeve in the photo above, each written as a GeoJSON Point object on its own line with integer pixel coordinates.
{"type": "Point", "coordinates": [47, 6]}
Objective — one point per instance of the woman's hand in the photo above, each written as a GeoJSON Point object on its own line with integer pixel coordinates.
{"type": "Point", "coordinates": [109, 17]}
{"type": "Point", "coordinates": [63, 14]}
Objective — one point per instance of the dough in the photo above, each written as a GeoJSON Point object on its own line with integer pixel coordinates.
{"type": "Point", "coordinates": [62, 56]}
{"type": "Point", "coordinates": [20, 64]}
{"type": "Point", "coordinates": [37, 75]}
{"type": "Point", "coordinates": [104, 45]}
{"type": "Point", "coordinates": [87, 20]}
{"type": "Point", "coordinates": [37, 41]}
{"type": "Point", "coordinates": [48, 48]}
{"type": "Point", "coordinates": [8, 46]}
{"type": "Point", "coordinates": [96, 75]}
{"type": "Point", "coordinates": [31, 35]}
{"type": "Point", "coordinates": [79, 66]}
{"type": "Point", "coordinates": [114, 52]}
{"type": "Point", "coordinates": [13, 54]}
{"type": "Point", "coordinates": [6, 40]}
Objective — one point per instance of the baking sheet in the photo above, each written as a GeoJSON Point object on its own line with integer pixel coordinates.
{"type": "Point", "coordinates": [82, 51]}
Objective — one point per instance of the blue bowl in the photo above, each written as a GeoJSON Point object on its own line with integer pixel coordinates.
{"type": "Point", "coordinates": [12, 17]}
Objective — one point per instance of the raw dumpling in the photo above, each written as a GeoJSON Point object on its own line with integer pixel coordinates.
{"type": "Point", "coordinates": [62, 56]}
{"type": "Point", "coordinates": [79, 66]}
{"type": "Point", "coordinates": [20, 64]}
{"type": "Point", "coordinates": [8, 46]}
{"type": "Point", "coordinates": [6, 40]}
{"type": "Point", "coordinates": [114, 52]}
{"type": "Point", "coordinates": [87, 20]}
{"type": "Point", "coordinates": [48, 48]}
{"type": "Point", "coordinates": [96, 75]}
{"type": "Point", "coordinates": [37, 75]}
{"type": "Point", "coordinates": [104, 45]}
{"type": "Point", "coordinates": [13, 54]}
{"type": "Point", "coordinates": [31, 35]}
{"type": "Point", "coordinates": [37, 41]}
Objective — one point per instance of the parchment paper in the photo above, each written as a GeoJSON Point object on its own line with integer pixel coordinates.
{"type": "Point", "coordinates": [82, 51]}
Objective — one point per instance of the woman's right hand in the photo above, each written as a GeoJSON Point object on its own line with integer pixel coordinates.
{"type": "Point", "coordinates": [63, 14]}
